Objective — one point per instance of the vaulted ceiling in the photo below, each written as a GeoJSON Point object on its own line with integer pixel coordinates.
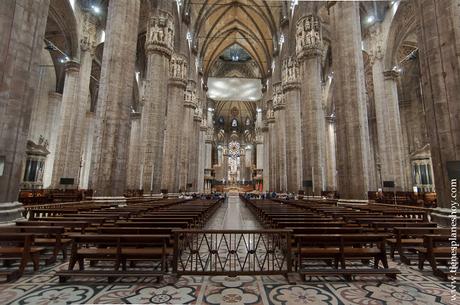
{"type": "Point", "coordinates": [219, 24]}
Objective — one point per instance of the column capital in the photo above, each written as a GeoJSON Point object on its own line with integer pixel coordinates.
{"type": "Point", "coordinates": [290, 74]}
{"type": "Point", "coordinates": [160, 34]}
{"type": "Point", "coordinates": [278, 97]}
{"type": "Point", "coordinates": [88, 31]}
{"type": "Point", "coordinates": [309, 40]}
{"type": "Point", "coordinates": [391, 75]}
{"type": "Point", "coordinates": [178, 70]}
{"type": "Point", "coordinates": [72, 66]}
{"type": "Point", "coordinates": [190, 97]}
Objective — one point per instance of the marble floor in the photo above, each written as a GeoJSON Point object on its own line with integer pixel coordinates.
{"type": "Point", "coordinates": [233, 215]}
{"type": "Point", "coordinates": [412, 287]}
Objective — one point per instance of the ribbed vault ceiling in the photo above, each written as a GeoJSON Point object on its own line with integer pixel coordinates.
{"type": "Point", "coordinates": [219, 24]}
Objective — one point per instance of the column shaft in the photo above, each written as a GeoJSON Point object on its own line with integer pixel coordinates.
{"type": "Point", "coordinates": [439, 42]}
{"type": "Point", "coordinates": [110, 153]}
{"type": "Point", "coordinates": [22, 32]}
{"type": "Point", "coordinates": [159, 46]}
{"type": "Point", "coordinates": [353, 145]}
{"type": "Point", "coordinates": [176, 87]}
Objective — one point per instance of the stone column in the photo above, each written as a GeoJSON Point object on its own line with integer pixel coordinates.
{"type": "Point", "coordinates": [309, 48]}
{"type": "Point", "coordinates": [194, 148]}
{"type": "Point", "coordinates": [111, 143]}
{"type": "Point", "coordinates": [279, 107]}
{"type": "Point", "coordinates": [201, 156]}
{"type": "Point", "coordinates": [190, 103]}
{"type": "Point", "coordinates": [266, 158]}
{"type": "Point", "coordinates": [330, 154]}
{"type": "Point", "coordinates": [135, 146]}
{"type": "Point", "coordinates": [353, 147]}
{"type": "Point", "coordinates": [52, 120]}
{"type": "Point", "coordinates": [87, 149]}
{"type": "Point", "coordinates": [159, 47]}
{"type": "Point", "coordinates": [176, 88]}
{"type": "Point", "coordinates": [22, 31]}
{"type": "Point", "coordinates": [291, 91]}
{"type": "Point", "coordinates": [439, 42]}
{"type": "Point", "coordinates": [273, 182]}
{"type": "Point", "coordinates": [66, 162]}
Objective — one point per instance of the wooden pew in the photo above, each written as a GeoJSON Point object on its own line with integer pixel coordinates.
{"type": "Point", "coordinates": [50, 237]}
{"type": "Point", "coordinates": [340, 248]}
{"type": "Point", "coordinates": [410, 237]}
{"type": "Point", "coordinates": [437, 249]}
{"type": "Point", "coordinates": [119, 249]}
{"type": "Point", "coordinates": [19, 247]}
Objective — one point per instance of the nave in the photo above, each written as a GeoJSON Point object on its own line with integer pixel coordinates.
{"type": "Point", "coordinates": [412, 286]}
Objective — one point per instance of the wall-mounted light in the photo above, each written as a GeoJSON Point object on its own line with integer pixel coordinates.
{"type": "Point", "coordinates": [370, 19]}
{"type": "Point", "coordinates": [259, 110]}
{"type": "Point", "coordinates": [96, 9]}
{"type": "Point", "coordinates": [210, 109]}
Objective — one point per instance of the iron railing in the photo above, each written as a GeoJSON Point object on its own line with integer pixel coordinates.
{"type": "Point", "coordinates": [232, 252]}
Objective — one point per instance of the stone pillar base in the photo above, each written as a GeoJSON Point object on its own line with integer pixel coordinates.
{"type": "Point", "coordinates": [10, 212]}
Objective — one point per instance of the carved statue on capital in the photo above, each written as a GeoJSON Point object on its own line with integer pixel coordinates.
{"type": "Point", "coordinates": [278, 96]}
{"type": "Point", "coordinates": [290, 73]}
{"type": "Point", "coordinates": [190, 97]}
{"type": "Point", "coordinates": [178, 69]}
{"type": "Point", "coordinates": [88, 33]}
{"type": "Point", "coordinates": [376, 51]}
{"type": "Point", "coordinates": [309, 40]}
{"type": "Point", "coordinates": [160, 33]}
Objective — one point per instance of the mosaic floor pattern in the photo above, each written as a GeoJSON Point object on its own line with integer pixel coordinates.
{"type": "Point", "coordinates": [411, 288]}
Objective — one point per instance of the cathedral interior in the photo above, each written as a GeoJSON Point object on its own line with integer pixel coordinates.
{"type": "Point", "coordinates": [244, 123]}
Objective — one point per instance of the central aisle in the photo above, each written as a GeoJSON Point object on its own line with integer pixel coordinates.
{"type": "Point", "coordinates": [233, 215]}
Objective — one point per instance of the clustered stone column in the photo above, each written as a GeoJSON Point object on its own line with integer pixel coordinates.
{"type": "Point", "coordinates": [71, 130]}
{"type": "Point", "coordinates": [291, 92]}
{"type": "Point", "coordinates": [21, 34]}
{"type": "Point", "coordinates": [135, 148]}
{"type": "Point", "coordinates": [195, 148]}
{"type": "Point", "coordinates": [201, 155]}
{"type": "Point", "coordinates": [111, 144]}
{"type": "Point", "coordinates": [439, 40]}
{"type": "Point", "coordinates": [389, 133]}
{"type": "Point", "coordinates": [189, 106]}
{"type": "Point", "coordinates": [266, 157]}
{"type": "Point", "coordinates": [66, 162]}
{"type": "Point", "coordinates": [273, 181]}
{"type": "Point", "coordinates": [309, 48]}
{"type": "Point", "coordinates": [176, 88]}
{"type": "Point", "coordinates": [159, 47]}
{"type": "Point", "coordinates": [279, 108]}
{"type": "Point", "coordinates": [350, 100]}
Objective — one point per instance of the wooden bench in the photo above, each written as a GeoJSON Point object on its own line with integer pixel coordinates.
{"type": "Point", "coordinates": [69, 225]}
{"type": "Point", "coordinates": [437, 249]}
{"type": "Point", "coordinates": [119, 249]}
{"type": "Point", "coordinates": [342, 247]}
{"type": "Point", "coordinates": [410, 237]}
{"type": "Point", "coordinates": [18, 247]}
{"type": "Point", "coordinates": [50, 237]}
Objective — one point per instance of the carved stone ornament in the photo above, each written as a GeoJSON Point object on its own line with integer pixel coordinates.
{"type": "Point", "coordinates": [89, 30]}
{"type": "Point", "coordinates": [309, 40]}
{"type": "Point", "coordinates": [290, 73]}
{"type": "Point", "coordinates": [160, 33]}
{"type": "Point", "coordinates": [278, 97]}
{"type": "Point", "coordinates": [178, 70]}
{"type": "Point", "coordinates": [190, 98]}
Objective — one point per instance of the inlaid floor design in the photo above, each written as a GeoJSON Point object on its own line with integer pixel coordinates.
{"type": "Point", "coordinates": [412, 287]}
